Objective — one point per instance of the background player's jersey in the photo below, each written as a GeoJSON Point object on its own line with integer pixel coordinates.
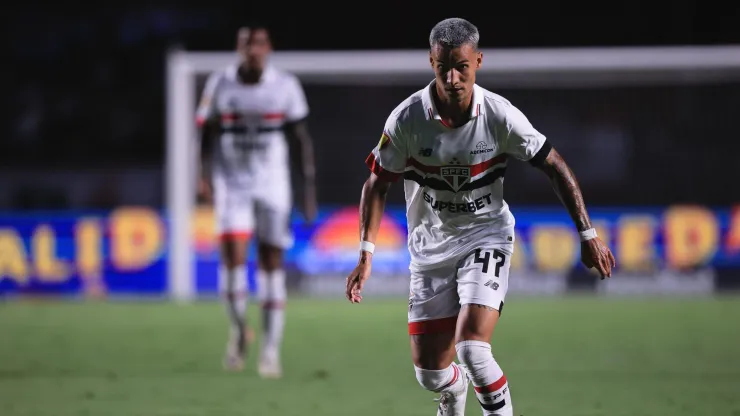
{"type": "Point", "coordinates": [453, 177]}
{"type": "Point", "coordinates": [252, 148]}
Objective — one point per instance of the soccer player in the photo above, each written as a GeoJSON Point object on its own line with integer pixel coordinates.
{"type": "Point", "coordinates": [246, 112]}
{"type": "Point", "coordinates": [451, 143]}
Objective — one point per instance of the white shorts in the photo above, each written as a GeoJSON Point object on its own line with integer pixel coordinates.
{"type": "Point", "coordinates": [479, 277]}
{"type": "Point", "coordinates": [240, 213]}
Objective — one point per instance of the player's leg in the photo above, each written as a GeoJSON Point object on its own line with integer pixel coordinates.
{"type": "Point", "coordinates": [274, 237]}
{"type": "Point", "coordinates": [433, 310]}
{"type": "Point", "coordinates": [273, 295]}
{"type": "Point", "coordinates": [234, 220]}
{"type": "Point", "coordinates": [482, 283]}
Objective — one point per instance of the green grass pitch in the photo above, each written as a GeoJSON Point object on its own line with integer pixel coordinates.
{"type": "Point", "coordinates": [563, 356]}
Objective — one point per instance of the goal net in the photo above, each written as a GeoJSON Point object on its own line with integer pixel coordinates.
{"type": "Point", "coordinates": [351, 93]}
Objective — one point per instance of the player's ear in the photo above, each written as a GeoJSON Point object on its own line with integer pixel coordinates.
{"type": "Point", "coordinates": [431, 59]}
{"type": "Point", "coordinates": [479, 59]}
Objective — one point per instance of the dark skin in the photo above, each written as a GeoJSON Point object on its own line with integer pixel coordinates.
{"type": "Point", "coordinates": [255, 47]}
{"type": "Point", "coordinates": [455, 70]}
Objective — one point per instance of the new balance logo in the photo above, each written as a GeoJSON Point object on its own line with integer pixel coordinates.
{"type": "Point", "coordinates": [493, 285]}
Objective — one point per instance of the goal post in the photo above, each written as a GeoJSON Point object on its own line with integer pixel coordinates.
{"type": "Point", "coordinates": [525, 68]}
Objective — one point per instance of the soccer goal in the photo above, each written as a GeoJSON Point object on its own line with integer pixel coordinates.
{"type": "Point", "coordinates": [530, 69]}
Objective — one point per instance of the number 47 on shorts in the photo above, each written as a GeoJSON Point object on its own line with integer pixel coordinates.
{"type": "Point", "coordinates": [484, 258]}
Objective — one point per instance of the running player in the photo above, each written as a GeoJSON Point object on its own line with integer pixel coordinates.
{"type": "Point", "coordinates": [246, 112]}
{"type": "Point", "coordinates": [451, 142]}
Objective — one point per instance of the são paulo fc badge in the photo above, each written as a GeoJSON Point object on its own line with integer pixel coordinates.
{"type": "Point", "coordinates": [455, 175]}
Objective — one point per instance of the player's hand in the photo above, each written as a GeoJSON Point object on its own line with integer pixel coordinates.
{"type": "Point", "coordinates": [205, 190]}
{"type": "Point", "coordinates": [356, 279]}
{"type": "Point", "coordinates": [594, 253]}
{"type": "Point", "coordinates": [310, 206]}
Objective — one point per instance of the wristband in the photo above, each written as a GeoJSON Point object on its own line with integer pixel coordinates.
{"type": "Point", "coordinates": [367, 246]}
{"type": "Point", "coordinates": [588, 234]}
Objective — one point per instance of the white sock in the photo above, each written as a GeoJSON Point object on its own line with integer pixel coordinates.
{"type": "Point", "coordinates": [491, 387]}
{"type": "Point", "coordinates": [449, 379]}
{"type": "Point", "coordinates": [272, 294]}
{"type": "Point", "coordinates": [232, 284]}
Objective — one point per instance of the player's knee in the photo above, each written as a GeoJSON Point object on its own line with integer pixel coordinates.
{"type": "Point", "coordinates": [476, 356]}
{"type": "Point", "coordinates": [432, 380]}
{"type": "Point", "coordinates": [270, 257]}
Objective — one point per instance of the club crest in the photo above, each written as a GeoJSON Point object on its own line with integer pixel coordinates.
{"type": "Point", "coordinates": [455, 175]}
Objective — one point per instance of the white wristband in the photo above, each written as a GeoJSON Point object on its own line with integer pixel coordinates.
{"type": "Point", "coordinates": [588, 234]}
{"type": "Point", "coordinates": [367, 246]}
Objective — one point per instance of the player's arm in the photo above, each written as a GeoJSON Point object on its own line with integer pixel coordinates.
{"type": "Point", "coordinates": [208, 131]}
{"type": "Point", "coordinates": [525, 143]}
{"type": "Point", "coordinates": [564, 183]}
{"type": "Point", "coordinates": [387, 162]}
{"type": "Point", "coordinates": [296, 130]}
{"type": "Point", "coordinates": [594, 252]}
{"type": "Point", "coordinates": [372, 206]}
{"type": "Point", "coordinates": [303, 159]}
{"type": "Point", "coordinates": [208, 127]}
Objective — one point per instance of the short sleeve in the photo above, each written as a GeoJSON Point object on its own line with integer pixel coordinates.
{"type": "Point", "coordinates": [297, 106]}
{"type": "Point", "coordinates": [207, 109]}
{"type": "Point", "coordinates": [389, 158]}
{"type": "Point", "coordinates": [523, 141]}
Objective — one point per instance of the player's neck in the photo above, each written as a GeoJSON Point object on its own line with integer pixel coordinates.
{"type": "Point", "coordinates": [455, 113]}
{"type": "Point", "coordinates": [249, 75]}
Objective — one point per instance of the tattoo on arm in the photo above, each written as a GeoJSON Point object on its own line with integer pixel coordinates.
{"type": "Point", "coordinates": [480, 306]}
{"type": "Point", "coordinates": [566, 187]}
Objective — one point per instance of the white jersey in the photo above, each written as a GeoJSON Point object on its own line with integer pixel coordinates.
{"type": "Point", "coordinates": [454, 177]}
{"type": "Point", "coordinates": [252, 148]}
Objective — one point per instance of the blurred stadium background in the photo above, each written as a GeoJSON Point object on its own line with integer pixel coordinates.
{"type": "Point", "coordinates": [108, 267]}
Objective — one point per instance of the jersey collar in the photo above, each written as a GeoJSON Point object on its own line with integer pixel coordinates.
{"type": "Point", "coordinates": [430, 110]}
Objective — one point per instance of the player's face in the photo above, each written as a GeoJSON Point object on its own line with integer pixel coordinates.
{"type": "Point", "coordinates": [454, 69]}
{"type": "Point", "coordinates": [255, 47]}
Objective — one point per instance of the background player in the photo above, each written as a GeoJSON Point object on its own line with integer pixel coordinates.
{"type": "Point", "coordinates": [245, 113]}
{"type": "Point", "coordinates": [451, 141]}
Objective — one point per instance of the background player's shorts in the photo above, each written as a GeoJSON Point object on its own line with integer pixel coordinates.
{"type": "Point", "coordinates": [241, 213]}
{"type": "Point", "coordinates": [479, 277]}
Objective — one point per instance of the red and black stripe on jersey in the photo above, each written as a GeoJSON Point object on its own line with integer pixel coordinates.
{"type": "Point", "coordinates": [440, 184]}
{"type": "Point", "coordinates": [235, 123]}
{"type": "Point", "coordinates": [430, 176]}
{"type": "Point", "coordinates": [437, 183]}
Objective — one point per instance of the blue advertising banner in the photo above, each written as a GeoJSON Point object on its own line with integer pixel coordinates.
{"type": "Point", "coordinates": [91, 253]}
{"type": "Point", "coordinates": [124, 252]}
